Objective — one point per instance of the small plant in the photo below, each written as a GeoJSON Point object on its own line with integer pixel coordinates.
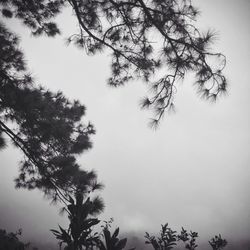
{"type": "Point", "coordinates": [111, 242]}
{"type": "Point", "coordinates": [166, 241]}
{"type": "Point", "coordinates": [188, 238]}
{"type": "Point", "coordinates": [217, 243]}
{"type": "Point", "coordinates": [81, 211]}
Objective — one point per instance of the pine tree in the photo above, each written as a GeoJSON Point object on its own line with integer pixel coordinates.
{"type": "Point", "coordinates": [45, 126]}
{"type": "Point", "coordinates": [146, 39]}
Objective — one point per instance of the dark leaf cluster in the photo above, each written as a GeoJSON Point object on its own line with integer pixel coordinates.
{"type": "Point", "coordinates": [80, 210]}
{"type": "Point", "coordinates": [111, 241]}
{"type": "Point", "coordinates": [217, 243]}
{"type": "Point", "coordinates": [156, 41]}
{"type": "Point", "coordinates": [46, 126]}
{"type": "Point", "coordinates": [105, 240]}
{"type": "Point", "coordinates": [11, 241]}
{"type": "Point", "coordinates": [168, 239]}
{"type": "Point", "coordinates": [34, 14]}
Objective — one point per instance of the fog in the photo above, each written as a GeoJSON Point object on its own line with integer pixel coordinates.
{"type": "Point", "coordinates": [193, 171]}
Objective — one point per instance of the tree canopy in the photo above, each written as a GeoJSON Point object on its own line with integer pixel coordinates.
{"type": "Point", "coordinates": [46, 126]}
{"type": "Point", "coordinates": [156, 41]}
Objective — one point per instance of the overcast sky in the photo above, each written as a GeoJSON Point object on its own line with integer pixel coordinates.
{"type": "Point", "coordinates": [193, 171]}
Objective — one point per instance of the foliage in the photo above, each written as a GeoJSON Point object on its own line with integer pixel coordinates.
{"type": "Point", "coordinates": [156, 41]}
{"type": "Point", "coordinates": [189, 238]}
{"type": "Point", "coordinates": [80, 233]}
{"type": "Point", "coordinates": [86, 238]}
{"type": "Point", "coordinates": [111, 242]}
{"type": "Point", "coordinates": [10, 241]}
{"type": "Point", "coordinates": [46, 126]}
{"type": "Point", "coordinates": [217, 243]}
{"type": "Point", "coordinates": [80, 210]}
{"type": "Point", "coordinates": [168, 239]}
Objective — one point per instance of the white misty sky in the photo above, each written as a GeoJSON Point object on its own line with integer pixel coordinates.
{"type": "Point", "coordinates": [193, 171]}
